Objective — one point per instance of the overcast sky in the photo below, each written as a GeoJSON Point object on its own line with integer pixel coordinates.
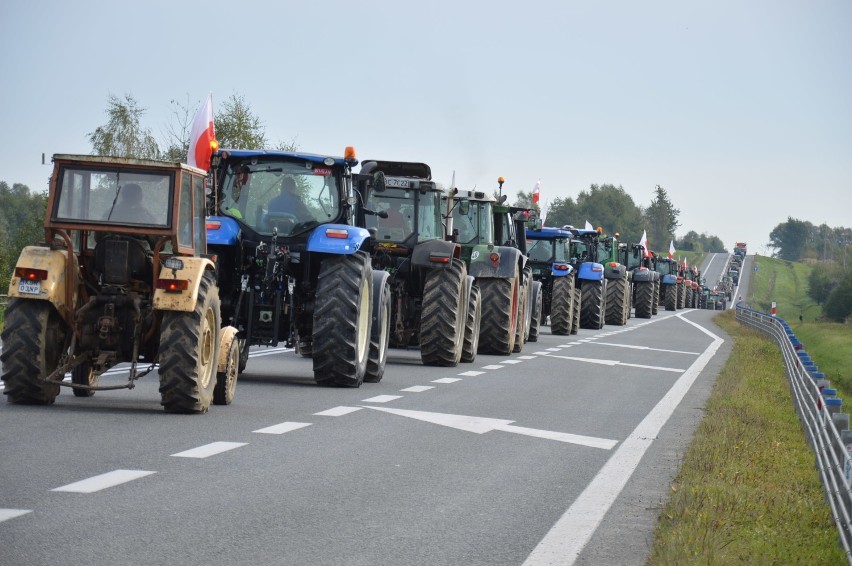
{"type": "Point", "coordinates": [741, 110]}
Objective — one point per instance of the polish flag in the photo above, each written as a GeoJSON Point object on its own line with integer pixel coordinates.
{"type": "Point", "coordinates": [644, 243]}
{"type": "Point", "coordinates": [589, 225]}
{"type": "Point", "coordinates": [202, 137]}
{"type": "Point", "coordinates": [671, 250]}
{"type": "Point", "coordinates": [536, 192]}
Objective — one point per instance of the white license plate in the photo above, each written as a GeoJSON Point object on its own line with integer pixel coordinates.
{"type": "Point", "coordinates": [28, 288]}
{"type": "Point", "coordinates": [398, 183]}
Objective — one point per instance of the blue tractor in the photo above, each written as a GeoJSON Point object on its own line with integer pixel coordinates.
{"type": "Point", "coordinates": [292, 265]}
{"type": "Point", "coordinates": [590, 278]}
{"type": "Point", "coordinates": [548, 253]}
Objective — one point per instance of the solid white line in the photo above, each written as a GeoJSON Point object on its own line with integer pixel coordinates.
{"type": "Point", "coordinates": [103, 481]}
{"type": "Point", "coordinates": [471, 373]}
{"type": "Point", "coordinates": [446, 380]}
{"type": "Point", "coordinates": [647, 348]}
{"type": "Point", "coordinates": [591, 441]}
{"type": "Point", "coordinates": [337, 411]}
{"type": "Point", "coordinates": [418, 388]}
{"type": "Point", "coordinates": [209, 450]}
{"type": "Point", "coordinates": [6, 514]}
{"type": "Point", "coordinates": [282, 428]}
{"type": "Point", "coordinates": [493, 366]}
{"type": "Point", "coordinates": [382, 399]}
{"type": "Point", "coordinates": [566, 540]}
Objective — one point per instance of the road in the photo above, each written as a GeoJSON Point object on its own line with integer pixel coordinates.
{"type": "Point", "coordinates": [560, 454]}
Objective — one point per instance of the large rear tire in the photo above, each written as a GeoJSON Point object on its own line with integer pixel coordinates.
{"type": "Point", "coordinates": [561, 305]}
{"type": "Point", "coordinates": [616, 309]}
{"type": "Point", "coordinates": [523, 315]}
{"type": "Point", "coordinates": [499, 315]}
{"type": "Point", "coordinates": [535, 314]}
{"type": "Point", "coordinates": [33, 342]}
{"type": "Point", "coordinates": [380, 334]}
{"type": "Point", "coordinates": [471, 327]}
{"type": "Point", "coordinates": [656, 303]}
{"type": "Point", "coordinates": [578, 305]}
{"type": "Point", "coordinates": [644, 299]}
{"type": "Point", "coordinates": [189, 352]}
{"type": "Point", "coordinates": [594, 304]}
{"type": "Point", "coordinates": [442, 317]}
{"type": "Point", "coordinates": [342, 320]}
{"type": "Point", "coordinates": [671, 297]}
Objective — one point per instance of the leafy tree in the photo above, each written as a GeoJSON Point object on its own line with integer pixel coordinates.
{"type": "Point", "coordinates": [237, 127]}
{"type": "Point", "coordinates": [123, 134]}
{"type": "Point", "coordinates": [611, 208]}
{"type": "Point", "coordinates": [838, 307]}
{"type": "Point", "coordinates": [562, 211]}
{"type": "Point", "coordinates": [693, 241]}
{"type": "Point", "coordinates": [791, 239]}
{"type": "Point", "coordinates": [21, 224]}
{"type": "Point", "coordinates": [661, 219]}
{"type": "Point", "coordinates": [822, 280]}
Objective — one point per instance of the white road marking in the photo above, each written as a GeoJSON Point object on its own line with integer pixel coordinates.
{"type": "Point", "coordinates": [615, 363]}
{"type": "Point", "coordinates": [337, 411]}
{"type": "Point", "coordinates": [103, 481]}
{"type": "Point", "coordinates": [542, 353]}
{"type": "Point", "coordinates": [526, 357]}
{"type": "Point", "coordinates": [446, 380]}
{"type": "Point", "coordinates": [209, 450]}
{"type": "Point", "coordinates": [471, 373]}
{"type": "Point", "coordinates": [282, 428]}
{"type": "Point", "coordinates": [481, 425]}
{"type": "Point", "coordinates": [647, 348]}
{"type": "Point", "coordinates": [6, 514]}
{"type": "Point", "coordinates": [553, 349]}
{"type": "Point", "coordinates": [418, 388]}
{"type": "Point", "coordinates": [271, 352]}
{"type": "Point", "coordinates": [382, 399]}
{"type": "Point", "coordinates": [493, 366]}
{"type": "Point", "coordinates": [658, 368]}
{"type": "Point", "coordinates": [511, 362]}
{"type": "Point", "coordinates": [567, 538]}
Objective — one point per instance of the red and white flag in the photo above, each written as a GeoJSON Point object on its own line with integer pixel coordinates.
{"type": "Point", "coordinates": [536, 192]}
{"type": "Point", "coordinates": [671, 250]}
{"type": "Point", "coordinates": [202, 136]}
{"type": "Point", "coordinates": [644, 243]}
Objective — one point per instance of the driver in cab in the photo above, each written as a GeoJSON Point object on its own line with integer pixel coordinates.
{"type": "Point", "coordinates": [290, 201]}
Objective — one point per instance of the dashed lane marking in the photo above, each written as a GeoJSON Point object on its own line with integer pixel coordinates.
{"type": "Point", "coordinates": [282, 428]}
{"type": "Point", "coordinates": [471, 373]}
{"type": "Point", "coordinates": [382, 399]}
{"type": "Point", "coordinates": [418, 388]}
{"type": "Point", "coordinates": [493, 366]}
{"type": "Point", "coordinates": [510, 362]}
{"type": "Point", "coordinates": [103, 481]}
{"type": "Point", "coordinates": [447, 380]}
{"type": "Point", "coordinates": [209, 449]}
{"type": "Point", "coordinates": [337, 411]}
{"type": "Point", "coordinates": [527, 357]}
{"type": "Point", "coordinates": [6, 514]}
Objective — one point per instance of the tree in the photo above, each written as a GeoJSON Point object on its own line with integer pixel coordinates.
{"type": "Point", "coordinates": [237, 127]}
{"type": "Point", "coordinates": [661, 219]}
{"type": "Point", "coordinates": [21, 224]}
{"type": "Point", "coordinates": [791, 239]}
{"type": "Point", "coordinates": [822, 280]}
{"type": "Point", "coordinates": [525, 200]}
{"type": "Point", "coordinates": [123, 134]}
{"type": "Point", "coordinates": [838, 307]}
{"type": "Point", "coordinates": [561, 211]}
{"type": "Point", "coordinates": [611, 208]}
{"type": "Point", "coordinates": [178, 131]}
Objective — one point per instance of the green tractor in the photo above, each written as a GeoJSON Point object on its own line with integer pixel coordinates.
{"type": "Point", "coordinates": [644, 280]}
{"type": "Point", "coordinates": [618, 281]}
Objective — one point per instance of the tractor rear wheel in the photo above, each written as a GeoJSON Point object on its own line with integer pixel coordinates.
{"type": "Point", "coordinates": [535, 314]}
{"type": "Point", "coordinates": [380, 334]}
{"type": "Point", "coordinates": [578, 305]}
{"type": "Point", "coordinates": [33, 342]}
{"type": "Point", "coordinates": [499, 315]}
{"type": "Point", "coordinates": [561, 305]}
{"type": "Point", "coordinates": [671, 297]}
{"type": "Point", "coordinates": [342, 320]}
{"type": "Point", "coordinates": [616, 309]}
{"type": "Point", "coordinates": [442, 318]}
{"type": "Point", "coordinates": [523, 315]}
{"type": "Point", "coordinates": [644, 299]}
{"type": "Point", "coordinates": [471, 327]}
{"type": "Point", "coordinates": [594, 304]}
{"type": "Point", "coordinates": [656, 303]}
{"type": "Point", "coordinates": [189, 352]}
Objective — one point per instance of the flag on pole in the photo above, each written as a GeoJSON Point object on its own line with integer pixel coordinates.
{"type": "Point", "coordinates": [644, 243]}
{"type": "Point", "coordinates": [671, 250]}
{"type": "Point", "coordinates": [589, 225]}
{"type": "Point", "coordinates": [536, 192]}
{"type": "Point", "coordinates": [202, 136]}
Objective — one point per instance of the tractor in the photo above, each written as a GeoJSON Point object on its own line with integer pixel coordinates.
{"type": "Point", "coordinates": [122, 276]}
{"type": "Point", "coordinates": [590, 278]}
{"type": "Point", "coordinates": [294, 266]}
{"type": "Point", "coordinates": [434, 303]}
{"type": "Point", "coordinates": [644, 280]}
{"type": "Point", "coordinates": [548, 256]}
{"type": "Point", "coordinates": [669, 283]}
{"type": "Point", "coordinates": [618, 280]}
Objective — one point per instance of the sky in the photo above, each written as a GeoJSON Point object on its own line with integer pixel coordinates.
{"type": "Point", "coordinates": [741, 110]}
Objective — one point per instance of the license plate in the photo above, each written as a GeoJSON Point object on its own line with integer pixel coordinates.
{"type": "Point", "coordinates": [30, 288]}
{"type": "Point", "coordinates": [398, 183]}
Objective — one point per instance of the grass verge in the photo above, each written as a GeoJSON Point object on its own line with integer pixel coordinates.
{"type": "Point", "coordinates": [748, 491]}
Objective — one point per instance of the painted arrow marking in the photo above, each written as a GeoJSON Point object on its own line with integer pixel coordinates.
{"type": "Point", "coordinates": [481, 425]}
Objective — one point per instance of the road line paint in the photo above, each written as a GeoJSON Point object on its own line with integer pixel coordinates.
{"type": "Point", "coordinates": [446, 380]}
{"type": "Point", "coordinates": [526, 357]}
{"type": "Point", "coordinates": [271, 352]}
{"type": "Point", "coordinates": [658, 368]}
{"type": "Point", "coordinates": [590, 441]}
{"type": "Point", "coordinates": [510, 362]}
{"type": "Point", "coordinates": [542, 353]}
{"type": "Point", "coordinates": [103, 481]}
{"type": "Point", "coordinates": [382, 399]}
{"type": "Point", "coordinates": [493, 366]}
{"type": "Point", "coordinates": [337, 411]}
{"type": "Point", "coordinates": [6, 514]}
{"type": "Point", "coordinates": [209, 450]}
{"type": "Point", "coordinates": [282, 428]}
{"type": "Point", "coordinates": [418, 388]}
{"type": "Point", "coordinates": [567, 538]}
{"type": "Point", "coordinates": [553, 349]}
{"type": "Point", "coordinates": [647, 348]}
{"type": "Point", "coordinates": [471, 373]}
{"type": "Point", "coordinates": [588, 360]}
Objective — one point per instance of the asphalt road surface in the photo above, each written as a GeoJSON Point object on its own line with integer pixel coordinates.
{"type": "Point", "coordinates": [561, 454]}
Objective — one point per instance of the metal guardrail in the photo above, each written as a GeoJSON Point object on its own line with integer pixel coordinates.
{"type": "Point", "coordinates": [826, 428]}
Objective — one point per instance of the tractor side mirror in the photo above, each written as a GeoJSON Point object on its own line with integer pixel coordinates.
{"type": "Point", "coordinates": [379, 184]}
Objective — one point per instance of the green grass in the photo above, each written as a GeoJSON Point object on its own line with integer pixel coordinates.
{"type": "Point", "coordinates": [748, 491]}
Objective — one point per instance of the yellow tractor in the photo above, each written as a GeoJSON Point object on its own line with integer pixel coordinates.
{"type": "Point", "coordinates": [122, 276]}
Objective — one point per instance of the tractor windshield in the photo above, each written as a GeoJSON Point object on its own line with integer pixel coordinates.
{"type": "Point", "coordinates": [541, 250]}
{"type": "Point", "coordinates": [290, 195]}
{"type": "Point", "coordinates": [476, 226]}
{"type": "Point", "coordinates": [113, 197]}
{"type": "Point", "coordinates": [409, 211]}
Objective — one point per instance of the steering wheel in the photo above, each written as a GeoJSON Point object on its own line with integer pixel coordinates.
{"type": "Point", "coordinates": [279, 217]}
